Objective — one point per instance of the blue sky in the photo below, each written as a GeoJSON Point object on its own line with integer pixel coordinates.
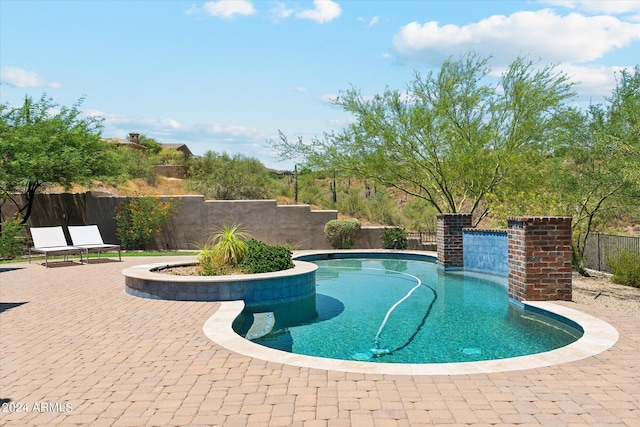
{"type": "Point", "coordinates": [227, 75]}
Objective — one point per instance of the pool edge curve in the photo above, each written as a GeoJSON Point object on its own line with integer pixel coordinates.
{"type": "Point", "coordinates": [598, 337]}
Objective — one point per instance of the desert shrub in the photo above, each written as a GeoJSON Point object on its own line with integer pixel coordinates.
{"type": "Point", "coordinates": [136, 164]}
{"type": "Point", "coordinates": [419, 215]}
{"type": "Point", "coordinates": [223, 251]}
{"type": "Point", "coordinates": [382, 209]}
{"type": "Point", "coordinates": [352, 204]}
{"type": "Point", "coordinates": [394, 238]}
{"type": "Point", "coordinates": [168, 157]}
{"type": "Point", "coordinates": [342, 233]}
{"type": "Point", "coordinates": [225, 177]}
{"type": "Point", "coordinates": [312, 194]}
{"type": "Point", "coordinates": [264, 258]}
{"type": "Point", "coordinates": [11, 245]}
{"type": "Point", "coordinates": [229, 244]}
{"type": "Point", "coordinates": [140, 219]}
{"type": "Point", "coordinates": [208, 263]}
{"type": "Point", "coordinates": [626, 269]}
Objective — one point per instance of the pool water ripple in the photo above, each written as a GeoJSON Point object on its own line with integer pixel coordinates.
{"type": "Point", "coordinates": [452, 317]}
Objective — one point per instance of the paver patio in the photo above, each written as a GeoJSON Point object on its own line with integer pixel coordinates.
{"type": "Point", "coordinates": [75, 349]}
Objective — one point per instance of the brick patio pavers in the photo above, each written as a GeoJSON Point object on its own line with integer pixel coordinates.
{"type": "Point", "coordinates": [73, 342]}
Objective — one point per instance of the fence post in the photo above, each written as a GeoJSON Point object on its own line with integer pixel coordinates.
{"type": "Point", "coordinates": [599, 255]}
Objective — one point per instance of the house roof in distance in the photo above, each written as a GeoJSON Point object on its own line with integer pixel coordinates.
{"type": "Point", "coordinates": [179, 147]}
{"type": "Point", "coordinates": [125, 142]}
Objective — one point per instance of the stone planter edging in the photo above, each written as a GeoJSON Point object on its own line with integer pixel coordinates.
{"type": "Point", "coordinates": [263, 289]}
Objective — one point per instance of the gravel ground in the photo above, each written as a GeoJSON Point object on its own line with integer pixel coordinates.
{"type": "Point", "coordinates": [599, 291]}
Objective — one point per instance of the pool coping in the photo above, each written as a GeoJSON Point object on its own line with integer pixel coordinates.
{"type": "Point", "coordinates": [598, 336]}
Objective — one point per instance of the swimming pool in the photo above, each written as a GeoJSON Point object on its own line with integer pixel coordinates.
{"type": "Point", "coordinates": [404, 310]}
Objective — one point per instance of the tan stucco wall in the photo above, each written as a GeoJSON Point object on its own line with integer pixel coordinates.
{"type": "Point", "coordinates": [193, 221]}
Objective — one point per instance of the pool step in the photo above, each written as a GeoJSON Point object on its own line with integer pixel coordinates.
{"type": "Point", "coordinates": [263, 324]}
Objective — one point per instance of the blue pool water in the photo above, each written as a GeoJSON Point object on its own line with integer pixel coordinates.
{"type": "Point", "coordinates": [406, 311]}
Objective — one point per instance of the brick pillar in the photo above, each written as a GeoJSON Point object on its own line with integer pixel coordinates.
{"type": "Point", "coordinates": [450, 252]}
{"type": "Point", "coordinates": [539, 258]}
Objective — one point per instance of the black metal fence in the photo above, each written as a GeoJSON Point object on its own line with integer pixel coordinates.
{"type": "Point", "coordinates": [423, 236]}
{"type": "Point", "coordinates": [601, 247]}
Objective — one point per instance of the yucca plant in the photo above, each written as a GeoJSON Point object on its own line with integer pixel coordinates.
{"type": "Point", "coordinates": [229, 244]}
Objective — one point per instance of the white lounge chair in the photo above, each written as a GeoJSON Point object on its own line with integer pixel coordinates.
{"type": "Point", "coordinates": [88, 237]}
{"type": "Point", "coordinates": [51, 240]}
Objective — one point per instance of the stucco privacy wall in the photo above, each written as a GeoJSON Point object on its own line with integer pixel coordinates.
{"type": "Point", "coordinates": [193, 221]}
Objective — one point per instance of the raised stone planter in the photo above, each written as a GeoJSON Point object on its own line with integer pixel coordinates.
{"type": "Point", "coordinates": [256, 290]}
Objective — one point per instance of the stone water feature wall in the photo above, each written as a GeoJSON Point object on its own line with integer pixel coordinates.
{"type": "Point", "coordinates": [538, 253]}
{"type": "Point", "coordinates": [485, 251]}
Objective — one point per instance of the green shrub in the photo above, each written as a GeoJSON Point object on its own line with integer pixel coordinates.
{"type": "Point", "coordinates": [419, 215]}
{"type": "Point", "coordinates": [229, 244]}
{"type": "Point", "coordinates": [11, 245]}
{"type": "Point", "coordinates": [264, 258]}
{"type": "Point", "coordinates": [626, 269]}
{"type": "Point", "coordinates": [394, 238]}
{"type": "Point", "coordinates": [136, 164]}
{"type": "Point", "coordinates": [140, 219]}
{"type": "Point", "coordinates": [208, 263]}
{"type": "Point", "coordinates": [382, 209]}
{"type": "Point", "coordinates": [223, 251]}
{"type": "Point", "coordinates": [225, 177]}
{"type": "Point", "coordinates": [342, 233]}
{"type": "Point", "coordinates": [352, 204]}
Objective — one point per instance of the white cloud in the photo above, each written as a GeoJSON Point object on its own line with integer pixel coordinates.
{"type": "Point", "coordinates": [17, 77]}
{"type": "Point", "coordinates": [93, 113]}
{"type": "Point", "coordinates": [219, 137]}
{"type": "Point", "coordinates": [149, 125]}
{"type": "Point", "coordinates": [301, 89]}
{"type": "Point", "coordinates": [233, 131]}
{"type": "Point", "coordinates": [132, 124]}
{"type": "Point", "coordinates": [229, 8]}
{"type": "Point", "coordinates": [328, 98]}
{"type": "Point", "coordinates": [544, 34]}
{"type": "Point", "coordinates": [370, 21]}
{"type": "Point", "coordinates": [341, 123]}
{"type": "Point", "coordinates": [280, 11]}
{"type": "Point", "coordinates": [593, 80]}
{"type": "Point", "coordinates": [614, 7]}
{"type": "Point", "coordinates": [323, 11]}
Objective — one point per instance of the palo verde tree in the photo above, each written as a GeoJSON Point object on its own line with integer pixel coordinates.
{"type": "Point", "coordinates": [452, 137]}
{"type": "Point", "coordinates": [42, 143]}
{"type": "Point", "coordinates": [593, 172]}
{"type": "Point", "coordinates": [599, 170]}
